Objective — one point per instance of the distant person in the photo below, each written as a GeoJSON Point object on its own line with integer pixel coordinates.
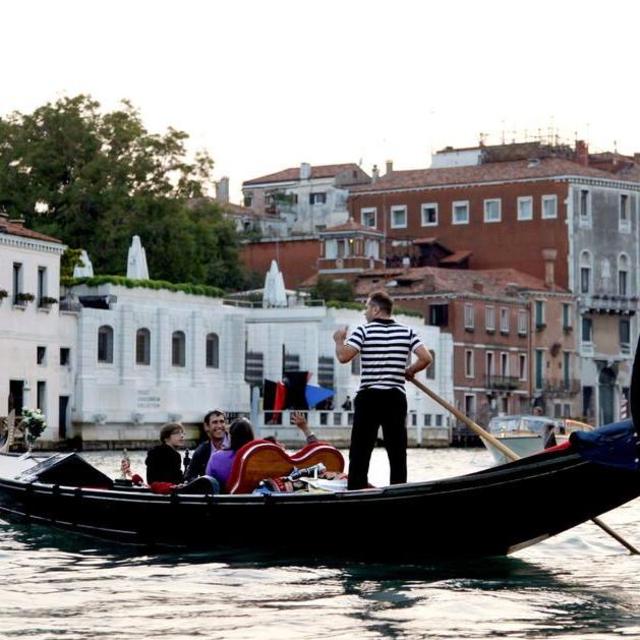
{"type": "Point", "coordinates": [385, 347]}
{"type": "Point", "coordinates": [221, 462]}
{"type": "Point", "coordinates": [537, 411]}
{"type": "Point", "coordinates": [164, 463]}
{"type": "Point", "coordinates": [347, 404]}
{"type": "Point", "coordinates": [215, 428]}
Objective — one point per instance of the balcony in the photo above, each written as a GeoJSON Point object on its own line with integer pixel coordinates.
{"type": "Point", "coordinates": [561, 388]}
{"type": "Point", "coordinates": [603, 303]}
{"type": "Point", "coordinates": [503, 383]}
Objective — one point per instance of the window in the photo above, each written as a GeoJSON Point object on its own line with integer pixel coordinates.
{"type": "Point", "coordinates": [522, 323]}
{"type": "Point", "coordinates": [438, 315]}
{"type": "Point", "coordinates": [490, 318]}
{"type": "Point", "coordinates": [429, 214]}
{"type": "Point", "coordinates": [398, 216]}
{"type": "Point", "coordinates": [105, 344]}
{"type": "Point", "coordinates": [317, 198]}
{"type": "Point", "coordinates": [326, 367]}
{"type": "Point", "coordinates": [566, 317]}
{"type": "Point", "coordinates": [17, 281]}
{"type": "Point", "coordinates": [624, 220]}
{"type": "Point", "coordinates": [212, 351]}
{"type": "Point", "coordinates": [41, 396]}
{"type": "Point", "coordinates": [143, 346]}
{"type": "Point", "coordinates": [368, 217]}
{"type": "Point", "coordinates": [585, 207]}
{"type": "Point", "coordinates": [585, 272]}
{"type": "Point", "coordinates": [549, 207]}
{"type": "Point", "coordinates": [42, 284]}
{"type": "Point", "coordinates": [566, 369]}
{"type": "Point", "coordinates": [623, 275]}
{"type": "Point", "coordinates": [522, 366]}
{"type": "Point", "coordinates": [65, 356]}
{"type": "Point", "coordinates": [470, 404]}
{"type": "Point", "coordinates": [431, 369]}
{"type": "Point", "coordinates": [469, 317]}
{"type": "Point", "coordinates": [489, 364]}
{"type": "Point", "coordinates": [248, 201]}
{"type": "Point", "coordinates": [587, 330]}
{"type": "Point", "coordinates": [504, 364]}
{"type": "Point", "coordinates": [468, 363]}
{"type": "Point", "coordinates": [540, 324]}
{"type": "Point", "coordinates": [525, 208]}
{"type": "Point", "coordinates": [41, 355]}
{"type": "Point", "coordinates": [291, 362]}
{"type": "Point", "coordinates": [492, 210]}
{"type": "Point", "coordinates": [539, 367]}
{"type": "Point", "coordinates": [438, 419]}
{"type": "Point", "coordinates": [331, 249]}
{"type": "Point", "coordinates": [178, 349]}
{"type": "Point", "coordinates": [427, 419]}
{"type": "Point", "coordinates": [460, 212]}
{"type": "Point", "coordinates": [625, 335]}
{"type": "Point", "coordinates": [504, 320]}
{"type": "Point", "coordinates": [254, 368]}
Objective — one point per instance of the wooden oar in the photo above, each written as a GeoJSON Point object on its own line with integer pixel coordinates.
{"type": "Point", "coordinates": [511, 455]}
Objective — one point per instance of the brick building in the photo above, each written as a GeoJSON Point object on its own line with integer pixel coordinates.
{"type": "Point", "coordinates": [504, 206]}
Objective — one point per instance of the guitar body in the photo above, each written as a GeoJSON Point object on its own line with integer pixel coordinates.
{"type": "Point", "coordinates": [261, 459]}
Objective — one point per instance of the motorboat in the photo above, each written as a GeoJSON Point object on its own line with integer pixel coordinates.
{"type": "Point", "coordinates": [526, 435]}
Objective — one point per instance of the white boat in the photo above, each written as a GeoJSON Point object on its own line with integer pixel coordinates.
{"type": "Point", "coordinates": [526, 435]}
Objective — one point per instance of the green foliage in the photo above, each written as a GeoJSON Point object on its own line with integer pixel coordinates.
{"type": "Point", "coordinates": [328, 289]}
{"type": "Point", "coordinates": [69, 261]}
{"type": "Point", "coordinates": [96, 179]}
{"type": "Point", "coordinates": [359, 306]}
{"type": "Point", "coordinates": [121, 281]}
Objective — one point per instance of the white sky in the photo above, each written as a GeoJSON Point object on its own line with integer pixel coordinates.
{"type": "Point", "coordinates": [264, 85]}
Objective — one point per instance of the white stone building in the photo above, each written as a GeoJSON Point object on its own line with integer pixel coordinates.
{"type": "Point", "coordinates": [37, 343]}
{"type": "Point", "coordinates": [309, 198]}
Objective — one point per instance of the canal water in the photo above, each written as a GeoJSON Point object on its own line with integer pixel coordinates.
{"type": "Point", "coordinates": [581, 584]}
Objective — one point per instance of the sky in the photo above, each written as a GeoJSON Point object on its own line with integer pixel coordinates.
{"type": "Point", "coordinates": [264, 85]}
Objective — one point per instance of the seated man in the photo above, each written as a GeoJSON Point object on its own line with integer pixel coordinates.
{"type": "Point", "coordinates": [215, 428]}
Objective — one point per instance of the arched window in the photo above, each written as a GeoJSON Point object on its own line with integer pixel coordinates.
{"type": "Point", "coordinates": [212, 350]}
{"type": "Point", "coordinates": [143, 346]}
{"type": "Point", "coordinates": [623, 275]}
{"type": "Point", "coordinates": [105, 344]}
{"type": "Point", "coordinates": [585, 272]}
{"type": "Point", "coordinates": [178, 350]}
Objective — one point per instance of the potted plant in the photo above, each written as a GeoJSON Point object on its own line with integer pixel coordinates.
{"type": "Point", "coordinates": [3, 294]}
{"type": "Point", "coordinates": [47, 301]}
{"type": "Point", "coordinates": [34, 424]}
{"type": "Point", "coordinates": [23, 298]}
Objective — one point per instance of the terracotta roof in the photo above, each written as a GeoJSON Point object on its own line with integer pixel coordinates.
{"type": "Point", "coordinates": [490, 172]}
{"type": "Point", "coordinates": [456, 257]}
{"type": "Point", "coordinates": [434, 280]}
{"type": "Point", "coordinates": [289, 175]}
{"type": "Point", "coordinates": [18, 229]}
{"type": "Point", "coordinates": [352, 225]}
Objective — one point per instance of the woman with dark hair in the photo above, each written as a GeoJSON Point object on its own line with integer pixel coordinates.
{"type": "Point", "coordinates": [220, 462]}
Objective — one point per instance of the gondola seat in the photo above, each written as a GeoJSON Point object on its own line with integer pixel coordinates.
{"type": "Point", "coordinates": [261, 459]}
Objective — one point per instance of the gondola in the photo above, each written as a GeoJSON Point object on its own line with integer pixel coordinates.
{"type": "Point", "coordinates": [490, 512]}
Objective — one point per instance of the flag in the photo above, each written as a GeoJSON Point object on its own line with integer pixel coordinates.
{"type": "Point", "coordinates": [315, 395]}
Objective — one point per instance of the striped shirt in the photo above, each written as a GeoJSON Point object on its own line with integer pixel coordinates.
{"type": "Point", "coordinates": [385, 347]}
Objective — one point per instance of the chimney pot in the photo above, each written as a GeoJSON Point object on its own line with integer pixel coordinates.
{"type": "Point", "coordinates": [222, 190]}
{"type": "Point", "coordinates": [389, 169]}
{"type": "Point", "coordinates": [305, 171]}
{"type": "Point", "coordinates": [375, 173]}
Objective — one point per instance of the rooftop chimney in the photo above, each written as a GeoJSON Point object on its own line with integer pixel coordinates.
{"type": "Point", "coordinates": [636, 157]}
{"type": "Point", "coordinates": [222, 190]}
{"type": "Point", "coordinates": [305, 171]}
{"type": "Point", "coordinates": [389, 164]}
{"type": "Point", "coordinates": [375, 173]}
{"type": "Point", "coordinates": [582, 153]}
{"type": "Point", "coordinates": [549, 257]}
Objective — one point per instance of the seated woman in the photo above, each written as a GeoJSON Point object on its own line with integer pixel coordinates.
{"type": "Point", "coordinates": [164, 463]}
{"type": "Point", "coordinates": [220, 462]}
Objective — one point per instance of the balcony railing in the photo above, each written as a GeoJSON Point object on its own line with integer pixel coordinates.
{"type": "Point", "coordinates": [603, 303]}
{"type": "Point", "coordinates": [506, 383]}
{"type": "Point", "coordinates": [560, 388]}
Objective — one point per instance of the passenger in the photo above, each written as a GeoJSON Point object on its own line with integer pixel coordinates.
{"type": "Point", "coordinates": [241, 433]}
{"type": "Point", "coordinates": [220, 462]}
{"type": "Point", "coordinates": [215, 428]}
{"type": "Point", "coordinates": [549, 435]}
{"type": "Point", "coordinates": [164, 463]}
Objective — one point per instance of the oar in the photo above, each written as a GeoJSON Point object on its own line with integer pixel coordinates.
{"type": "Point", "coordinates": [511, 455]}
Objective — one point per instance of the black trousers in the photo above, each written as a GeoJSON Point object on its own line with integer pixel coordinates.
{"type": "Point", "coordinates": [374, 408]}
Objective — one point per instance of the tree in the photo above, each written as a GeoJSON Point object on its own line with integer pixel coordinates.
{"type": "Point", "coordinates": [94, 179]}
{"type": "Point", "coordinates": [327, 289]}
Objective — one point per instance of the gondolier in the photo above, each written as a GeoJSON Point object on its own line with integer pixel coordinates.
{"type": "Point", "coordinates": [385, 347]}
